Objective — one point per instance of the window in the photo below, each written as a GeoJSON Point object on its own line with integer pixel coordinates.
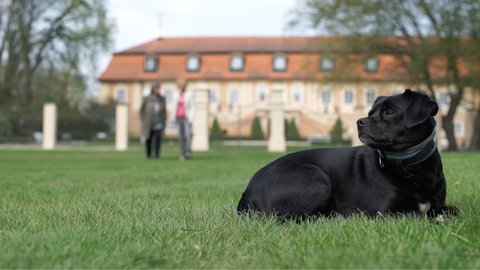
{"type": "Point", "coordinates": [458, 129]}
{"type": "Point", "coordinates": [193, 63]}
{"type": "Point", "coordinates": [146, 91]}
{"type": "Point", "coordinates": [371, 64]}
{"type": "Point", "coordinates": [348, 97]}
{"type": "Point", "coordinates": [280, 62]}
{"type": "Point", "coordinates": [327, 64]}
{"type": "Point", "coordinates": [150, 64]}
{"type": "Point", "coordinates": [233, 97]}
{"type": "Point", "coordinates": [297, 93]}
{"type": "Point", "coordinates": [443, 99]}
{"type": "Point", "coordinates": [326, 97]}
{"type": "Point", "coordinates": [261, 93]}
{"type": "Point", "coordinates": [213, 96]}
{"type": "Point", "coordinates": [236, 62]}
{"type": "Point", "coordinates": [121, 96]}
{"type": "Point", "coordinates": [370, 96]}
{"type": "Point", "coordinates": [168, 95]}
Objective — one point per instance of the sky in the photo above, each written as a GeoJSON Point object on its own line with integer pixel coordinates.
{"type": "Point", "coordinates": [139, 21]}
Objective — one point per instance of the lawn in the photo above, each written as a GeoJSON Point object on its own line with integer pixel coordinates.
{"type": "Point", "coordinates": [106, 209]}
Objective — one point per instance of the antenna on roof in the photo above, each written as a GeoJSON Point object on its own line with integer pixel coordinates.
{"type": "Point", "coordinates": [160, 21]}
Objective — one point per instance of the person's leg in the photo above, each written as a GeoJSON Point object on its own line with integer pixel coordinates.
{"type": "Point", "coordinates": [188, 139]}
{"type": "Point", "coordinates": [158, 142]}
{"type": "Point", "coordinates": [181, 136]}
{"type": "Point", "coordinates": [148, 145]}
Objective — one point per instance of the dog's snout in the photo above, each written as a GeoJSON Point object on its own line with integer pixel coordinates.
{"type": "Point", "coordinates": [362, 122]}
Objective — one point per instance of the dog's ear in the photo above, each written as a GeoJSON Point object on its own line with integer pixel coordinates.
{"type": "Point", "coordinates": [419, 110]}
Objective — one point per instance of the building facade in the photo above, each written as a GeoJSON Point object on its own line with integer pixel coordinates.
{"type": "Point", "coordinates": [240, 72]}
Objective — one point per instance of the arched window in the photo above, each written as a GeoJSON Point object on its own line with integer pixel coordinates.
{"type": "Point", "coordinates": [150, 64]}
{"type": "Point", "coordinates": [327, 64]}
{"type": "Point", "coordinates": [193, 62]}
{"type": "Point", "coordinates": [280, 62]}
{"type": "Point", "coordinates": [237, 62]}
{"type": "Point", "coordinates": [371, 64]}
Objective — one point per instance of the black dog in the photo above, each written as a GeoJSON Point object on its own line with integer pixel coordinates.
{"type": "Point", "coordinates": [398, 171]}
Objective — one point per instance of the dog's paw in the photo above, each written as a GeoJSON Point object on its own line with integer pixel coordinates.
{"type": "Point", "coordinates": [439, 219]}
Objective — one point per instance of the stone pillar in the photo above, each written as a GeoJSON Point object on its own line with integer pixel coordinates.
{"type": "Point", "coordinates": [277, 142]}
{"type": "Point", "coordinates": [49, 126]}
{"type": "Point", "coordinates": [439, 130]}
{"type": "Point", "coordinates": [200, 140]}
{"type": "Point", "coordinates": [358, 113]}
{"type": "Point", "coordinates": [121, 127]}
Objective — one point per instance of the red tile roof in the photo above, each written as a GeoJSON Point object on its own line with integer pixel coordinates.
{"type": "Point", "coordinates": [303, 60]}
{"type": "Point", "coordinates": [224, 45]}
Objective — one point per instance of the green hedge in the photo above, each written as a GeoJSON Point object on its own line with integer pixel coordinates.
{"type": "Point", "coordinates": [337, 131]}
{"type": "Point", "coordinates": [257, 133]}
{"type": "Point", "coordinates": [215, 132]}
{"type": "Point", "coordinates": [292, 131]}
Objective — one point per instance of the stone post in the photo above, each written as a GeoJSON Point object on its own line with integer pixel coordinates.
{"type": "Point", "coordinates": [49, 126]}
{"type": "Point", "coordinates": [200, 140]}
{"type": "Point", "coordinates": [121, 127]}
{"type": "Point", "coordinates": [439, 131]}
{"type": "Point", "coordinates": [358, 113]}
{"type": "Point", "coordinates": [277, 142]}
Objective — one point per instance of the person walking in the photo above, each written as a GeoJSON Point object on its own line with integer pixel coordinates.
{"type": "Point", "coordinates": [184, 112]}
{"type": "Point", "coordinates": [153, 114]}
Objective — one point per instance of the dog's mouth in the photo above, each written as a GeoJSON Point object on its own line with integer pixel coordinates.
{"type": "Point", "coordinates": [374, 142]}
{"type": "Point", "coordinates": [384, 144]}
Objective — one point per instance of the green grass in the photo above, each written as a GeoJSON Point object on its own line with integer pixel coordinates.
{"type": "Point", "coordinates": [83, 209]}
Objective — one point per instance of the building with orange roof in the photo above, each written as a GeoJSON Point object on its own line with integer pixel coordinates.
{"type": "Point", "coordinates": [241, 71]}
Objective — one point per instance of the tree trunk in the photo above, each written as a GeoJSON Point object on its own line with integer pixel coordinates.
{"type": "Point", "coordinates": [447, 120]}
{"type": "Point", "coordinates": [449, 128]}
{"type": "Point", "coordinates": [475, 141]}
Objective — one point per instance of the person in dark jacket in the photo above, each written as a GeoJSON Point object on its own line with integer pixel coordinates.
{"type": "Point", "coordinates": [153, 114]}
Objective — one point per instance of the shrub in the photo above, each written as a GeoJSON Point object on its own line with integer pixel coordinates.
{"type": "Point", "coordinates": [257, 133]}
{"type": "Point", "coordinates": [292, 131]}
{"type": "Point", "coordinates": [5, 128]}
{"type": "Point", "coordinates": [215, 131]}
{"type": "Point", "coordinates": [337, 131]}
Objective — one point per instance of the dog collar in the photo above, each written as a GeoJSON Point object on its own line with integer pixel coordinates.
{"type": "Point", "coordinates": [412, 155]}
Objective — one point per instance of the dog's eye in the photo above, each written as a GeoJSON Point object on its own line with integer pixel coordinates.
{"type": "Point", "coordinates": [387, 112]}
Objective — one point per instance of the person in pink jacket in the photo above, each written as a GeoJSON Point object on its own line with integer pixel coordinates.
{"type": "Point", "coordinates": [184, 112]}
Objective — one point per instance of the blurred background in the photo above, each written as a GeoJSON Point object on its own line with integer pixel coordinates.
{"type": "Point", "coordinates": [330, 59]}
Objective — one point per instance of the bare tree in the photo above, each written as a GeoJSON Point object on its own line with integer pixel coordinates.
{"type": "Point", "coordinates": [45, 48]}
{"type": "Point", "coordinates": [39, 34]}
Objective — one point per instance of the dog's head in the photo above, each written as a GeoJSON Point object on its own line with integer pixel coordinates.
{"type": "Point", "coordinates": [398, 122]}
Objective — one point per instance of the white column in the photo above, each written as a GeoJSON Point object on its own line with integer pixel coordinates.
{"type": "Point", "coordinates": [200, 140]}
{"type": "Point", "coordinates": [277, 142]}
{"type": "Point", "coordinates": [49, 126]}
{"type": "Point", "coordinates": [438, 130]}
{"type": "Point", "coordinates": [121, 127]}
{"type": "Point", "coordinates": [358, 113]}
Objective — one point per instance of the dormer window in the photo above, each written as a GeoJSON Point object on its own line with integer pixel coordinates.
{"type": "Point", "coordinates": [150, 64]}
{"type": "Point", "coordinates": [371, 64]}
{"type": "Point", "coordinates": [193, 62]}
{"type": "Point", "coordinates": [280, 62]}
{"type": "Point", "coordinates": [237, 62]}
{"type": "Point", "coordinates": [327, 64]}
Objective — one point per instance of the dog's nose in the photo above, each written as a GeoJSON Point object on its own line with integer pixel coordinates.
{"type": "Point", "coordinates": [362, 122]}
